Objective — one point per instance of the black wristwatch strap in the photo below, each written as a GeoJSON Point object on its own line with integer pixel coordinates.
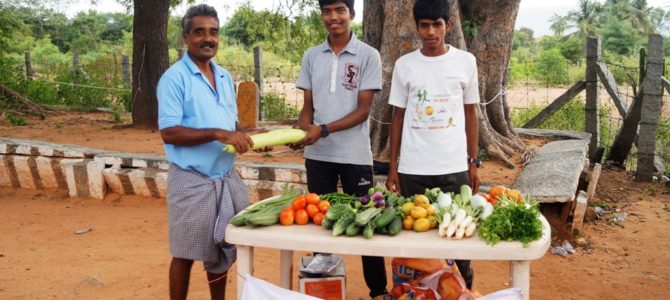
{"type": "Point", "coordinates": [324, 130]}
{"type": "Point", "coordinates": [475, 161]}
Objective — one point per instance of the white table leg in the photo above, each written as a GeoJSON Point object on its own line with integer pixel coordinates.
{"type": "Point", "coordinates": [286, 269]}
{"type": "Point", "coordinates": [520, 276]}
{"type": "Point", "coordinates": [245, 266]}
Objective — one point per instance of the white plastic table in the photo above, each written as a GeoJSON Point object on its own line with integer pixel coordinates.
{"type": "Point", "coordinates": [312, 238]}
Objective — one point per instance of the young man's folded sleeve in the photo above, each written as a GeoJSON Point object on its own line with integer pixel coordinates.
{"type": "Point", "coordinates": [304, 81]}
{"type": "Point", "coordinates": [398, 95]}
{"type": "Point", "coordinates": [372, 75]}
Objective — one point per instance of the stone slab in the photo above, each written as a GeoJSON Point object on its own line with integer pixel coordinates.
{"type": "Point", "coordinates": [247, 104]}
{"type": "Point", "coordinates": [84, 178]}
{"type": "Point", "coordinates": [133, 160]}
{"type": "Point", "coordinates": [145, 182]}
{"type": "Point", "coordinates": [39, 148]}
{"type": "Point", "coordinates": [7, 172]}
{"type": "Point", "coordinates": [553, 134]}
{"type": "Point", "coordinates": [553, 174]}
{"type": "Point", "coordinates": [293, 173]}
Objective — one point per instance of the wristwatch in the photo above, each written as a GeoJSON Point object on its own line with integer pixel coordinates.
{"type": "Point", "coordinates": [475, 161]}
{"type": "Point", "coordinates": [324, 130]}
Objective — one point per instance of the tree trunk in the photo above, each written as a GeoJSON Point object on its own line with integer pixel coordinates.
{"type": "Point", "coordinates": [389, 25]}
{"type": "Point", "coordinates": [393, 23]}
{"type": "Point", "coordinates": [150, 59]}
{"type": "Point", "coordinates": [492, 45]}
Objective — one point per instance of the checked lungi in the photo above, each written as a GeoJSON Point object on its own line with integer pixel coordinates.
{"type": "Point", "coordinates": [199, 209]}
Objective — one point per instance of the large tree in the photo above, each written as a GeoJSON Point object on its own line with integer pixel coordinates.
{"type": "Point", "coordinates": [483, 27]}
{"type": "Point", "coordinates": [150, 58]}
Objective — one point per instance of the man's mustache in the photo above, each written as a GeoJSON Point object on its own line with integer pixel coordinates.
{"type": "Point", "coordinates": [203, 45]}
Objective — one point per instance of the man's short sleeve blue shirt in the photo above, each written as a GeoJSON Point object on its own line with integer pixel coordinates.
{"type": "Point", "coordinates": [186, 98]}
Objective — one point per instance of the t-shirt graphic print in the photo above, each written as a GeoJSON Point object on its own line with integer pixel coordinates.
{"type": "Point", "coordinates": [433, 112]}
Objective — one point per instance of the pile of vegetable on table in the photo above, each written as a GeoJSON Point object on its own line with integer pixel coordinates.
{"type": "Point", "coordinates": [501, 215]}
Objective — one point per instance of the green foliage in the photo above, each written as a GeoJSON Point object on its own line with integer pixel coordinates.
{"type": "Point", "coordinates": [16, 120]}
{"type": "Point", "coordinates": [663, 138]}
{"type": "Point", "coordinates": [551, 67]}
{"type": "Point", "coordinates": [572, 49]}
{"type": "Point", "coordinates": [275, 108]}
{"type": "Point", "coordinates": [523, 38]}
{"type": "Point", "coordinates": [620, 37]}
{"type": "Point", "coordinates": [276, 32]}
{"type": "Point", "coordinates": [570, 117]}
{"type": "Point", "coordinates": [471, 27]}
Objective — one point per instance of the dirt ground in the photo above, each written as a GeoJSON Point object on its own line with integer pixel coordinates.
{"type": "Point", "coordinates": [125, 254]}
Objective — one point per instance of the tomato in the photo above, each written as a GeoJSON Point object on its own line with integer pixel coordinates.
{"type": "Point", "coordinates": [489, 198]}
{"type": "Point", "coordinates": [312, 198]}
{"type": "Point", "coordinates": [299, 202]}
{"type": "Point", "coordinates": [311, 210]}
{"type": "Point", "coordinates": [286, 217]}
{"type": "Point", "coordinates": [323, 206]}
{"type": "Point", "coordinates": [318, 218]}
{"type": "Point", "coordinates": [301, 217]}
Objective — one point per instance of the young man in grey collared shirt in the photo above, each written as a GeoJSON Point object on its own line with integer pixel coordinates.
{"type": "Point", "coordinates": [339, 79]}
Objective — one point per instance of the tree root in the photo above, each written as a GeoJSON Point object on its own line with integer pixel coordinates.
{"type": "Point", "coordinates": [31, 106]}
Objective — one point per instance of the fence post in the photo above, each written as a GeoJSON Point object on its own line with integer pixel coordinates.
{"type": "Point", "coordinates": [75, 63]}
{"type": "Point", "coordinates": [125, 69]}
{"type": "Point", "coordinates": [651, 108]}
{"type": "Point", "coordinates": [29, 66]}
{"type": "Point", "coordinates": [258, 76]}
{"type": "Point", "coordinates": [592, 118]}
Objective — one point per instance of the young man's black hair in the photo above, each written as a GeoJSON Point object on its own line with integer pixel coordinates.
{"type": "Point", "coordinates": [348, 3]}
{"type": "Point", "coordinates": [431, 9]}
{"type": "Point", "coordinates": [195, 11]}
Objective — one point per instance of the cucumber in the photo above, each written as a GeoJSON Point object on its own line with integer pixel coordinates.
{"type": "Point", "coordinates": [327, 224]}
{"type": "Point", "coordinates": [340, 225]}
{"type": "Point", "coordinates": [382, 230]}
{"type": "Point", "coordinates": [395, 226]}
{"type": "Point", "coordinates": [385, 218]}
{"type": "Point", "coordinates": [353, 229]}
{"type": "Point", "coordinates": [369, 230]}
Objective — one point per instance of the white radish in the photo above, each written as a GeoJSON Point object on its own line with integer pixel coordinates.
{"type": "Point", "coordinates": [470, 230]}
{"type": "Point", "coordinates": [487, 210]}
{"type": "Point", "coordinates": [460, 215]}
{"type": "Point", "coordinates": [446, 218]}
{"type": "Point", "coordinates": [442, 230]}
{"type": "Point", "coordinates": [444, 200]}
{"type": "Point", "coordinates": [477, 201]}
{"type": "Point", "coordinates": [452, 228]}
{"type": "Point", "coordinates": [459, 233]}
{"type": "Point", "coordinates": [466, 222]}
{"type": "Point", "coordinates": [453, 209]}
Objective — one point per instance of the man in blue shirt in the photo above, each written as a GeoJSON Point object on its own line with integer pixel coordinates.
{"type": "Point", "coordinates": [197, 117]}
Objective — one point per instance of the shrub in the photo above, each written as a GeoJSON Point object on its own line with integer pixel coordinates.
{"type": "Point", "coordinates": [275, 108]}
{"type": "Point", "coordinates": [571, 117]}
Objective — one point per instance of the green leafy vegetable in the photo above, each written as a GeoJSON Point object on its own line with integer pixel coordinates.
{"type": "Point", "coordinates": [512, 221]}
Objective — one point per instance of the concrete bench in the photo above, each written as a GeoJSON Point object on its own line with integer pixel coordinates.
{"type": "Point", "coordinates": [552, 175]}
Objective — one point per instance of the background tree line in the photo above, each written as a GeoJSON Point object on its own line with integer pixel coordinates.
{"type": "Point", "coordinates": [557, 59]}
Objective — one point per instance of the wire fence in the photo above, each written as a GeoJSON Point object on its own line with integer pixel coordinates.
{"type": "Point", "coordinates": [102, 83]}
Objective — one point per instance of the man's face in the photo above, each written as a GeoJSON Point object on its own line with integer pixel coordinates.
{"type": "Point", "coordinates": [202, 38]}
{"type": "Point", "coordinates": [336, 17]}
{"type": "Point", "coordinates": [433, 32]}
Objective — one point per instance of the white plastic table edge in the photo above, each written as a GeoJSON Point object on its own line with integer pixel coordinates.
{"type": "Point", "coordinates": [312, 238]}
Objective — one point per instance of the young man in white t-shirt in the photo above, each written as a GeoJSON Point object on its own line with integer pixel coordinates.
{"type": "Point", "coordinates": [434, 128]}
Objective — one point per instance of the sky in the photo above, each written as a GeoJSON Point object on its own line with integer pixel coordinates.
{"type": "Point", "coordinates": [534, 14]}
